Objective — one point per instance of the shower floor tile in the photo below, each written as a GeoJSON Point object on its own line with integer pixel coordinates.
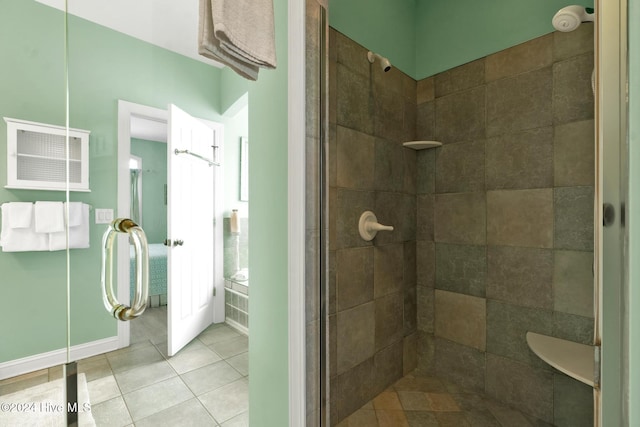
{"type": "Point", "coordinates": [421, 401]}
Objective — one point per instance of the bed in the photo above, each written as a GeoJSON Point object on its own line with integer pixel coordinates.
{"type": "Point", "coordinates": [157, 269]}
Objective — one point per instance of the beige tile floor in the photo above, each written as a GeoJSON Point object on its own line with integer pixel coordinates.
{"type": "Point", "coordinates": [421, 401]}
{"type": "Point", "coordinates": [205, 384]}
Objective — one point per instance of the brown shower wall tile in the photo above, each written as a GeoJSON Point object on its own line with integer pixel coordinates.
{"type": "Point", "coordinates": [461, 318]}
{"type": "Point", "coordinates": [426, 172]}
{"type": "Point", "coordinates": [388, 110]}
{"type": "Point", "coordinates": [426, 121]}
{"type": "Point", "coordinates": [333, 155]}
{"type": "Point", "coordinates": [520, 160]}
{"type": "Point", "coordinates": [520, 218]}
{"type": "Point", "coordinates": [399, 211]}
{"type": "Point", "coordinates": [520, 102]}
{"type": "Point", "coordinates": [507, 326]}
{"type": "Point", "coordinates": [460, 167]}
{"type": "Point", "coordinates": [409, 267]}
{"type": "Point", "coordinates": [460, 116]}
{"type": "Point", "coordinates": [410, 353]}
{"type": "Point", "coordinates": [572, 402]}
{"type": "Point", "coordinates": [520, 276]}
{"type": "Point", "coordinates": [460, 218]}
{"type": "Point", "coordinates": [572, 95]}
{"type": "Point", "coordinates": [354, 105]}
{"type": "Point", "coordinates": [426, 303]}
{"type": "Point", "coordinates": [426, 353]}
{"type": "Point", "coordinates": [460, 78]}
{"type": "Point", "coordinates": [388, 366]}
{"type": "Point", "coordinates": [410, 158]}
{"type": "Point", "coordinates": [460, 364]}
{"type": "Point", "coordinates": [528, 56]}
{"type": "Point", "coordinates": [389, 326]}
{"type": "Point", "coordinates": [331, 273]}
{"type": "Point", "coordinates": [574, 154]}
{"type": "Point", "coordinates": [410, 312]}
{"type": "Point", "coordinates": [351, 55]}
{"type": "Point", "coordinates": [527, 389]}
{"type": "Point", "coordinates": [389, 166]}
{"type": "Point", "coordinates": [461, 268]}
{"type": "Point", "coordinates": [573, 43]}
{"type": "Point", "coordinates": [388, 269]}
{"type": "Point", "coordinates": [573, 328]}
{"type": "Point", "coordinates": [354, 277]}
{"type": "Point", "coordinates": [426, 263]}
{"type": "Point", "coordinates": [425, 90]}
{"type": "Point", "coordinates": [355, 336]}
{"type": "Point", "coordinates": [424, 216]}
{"type": "Point", "coordinates": [352, 389]}
{"type": "Point", "coordinates": [574, 218]}
{"type": "Point", "coordinates": [356, 159]}
{"type": "Point", "coordinates": [573, 282]}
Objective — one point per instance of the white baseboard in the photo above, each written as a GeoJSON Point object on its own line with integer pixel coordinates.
{"type": "Point", "coordinates": [25, 365]}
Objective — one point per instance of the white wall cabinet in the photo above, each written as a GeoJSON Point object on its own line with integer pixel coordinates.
{"type": "Point", "coordinates": [37, 157]}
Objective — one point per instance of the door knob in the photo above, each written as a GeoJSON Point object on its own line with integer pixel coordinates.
{"type": "Point", "coordinates": [178, 242]}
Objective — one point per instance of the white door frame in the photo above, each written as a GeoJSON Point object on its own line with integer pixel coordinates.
{"type": "Point", "coordinates": [296, 211]}
{"type": "Point", "coordinates": [125, 110]}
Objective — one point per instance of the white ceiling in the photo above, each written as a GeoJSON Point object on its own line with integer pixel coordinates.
{"type": "Point", "coordinates": [171, 24]}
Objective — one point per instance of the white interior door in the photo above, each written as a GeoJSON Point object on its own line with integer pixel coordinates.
{"type": "Point", "coordinates": [190, 226]}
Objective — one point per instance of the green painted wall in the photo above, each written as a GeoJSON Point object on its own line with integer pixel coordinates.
{"type": "Point", "coordinates": [425, 37]}
{"type": "Point", "coordinates": [452, 33]}
{"type": "Point", "coordinates": [387, 27]}
{"type": "Point", "coordinates": [154, 179]}
{"type": "Point", "coordinates": [634, 212]}
{"type": "Point", "coordinates": [104, 66]}
{"type": "Point", "coordinates": [31, 87]}
{"type": "Point", "coordinates": [268, 322]}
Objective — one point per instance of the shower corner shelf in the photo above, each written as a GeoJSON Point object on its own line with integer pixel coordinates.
{"type": "Point", "coordinates": [422, 145]}
{"type": "Point", "coordinates": [571, 358]}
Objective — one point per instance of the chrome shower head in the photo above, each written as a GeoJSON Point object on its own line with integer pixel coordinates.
{"type": "Point", "coordinates": [569, 18]}
{"type": "Point", "coordinates": [384, 62]}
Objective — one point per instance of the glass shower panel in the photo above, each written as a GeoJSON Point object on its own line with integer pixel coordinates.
{"type": "Point", "coordinates": [127, 64]}
{"type": "Point", "coordinates": [33, 287]}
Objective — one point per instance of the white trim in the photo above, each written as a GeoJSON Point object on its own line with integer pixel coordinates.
{"type": "Point", "coordinates": [25, 365]}
{"type": "Point", "coordinates": [296, 195]}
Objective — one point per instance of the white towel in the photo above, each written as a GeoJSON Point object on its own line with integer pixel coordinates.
{"type": "Point", "coordinates": [49, 217]}
{"type": "Point", "coordinates": [209, 46]}
{"type": "Point", "coordinates": [78, 234]}
{"type": "Point", "coordinates": [246, 30]}
{"type": "Point", "coordinates": [20, 214]}
{"type": "Point", "coordinates": [75, 213]}
{"type": "Point", "coordinates": [20, 239]}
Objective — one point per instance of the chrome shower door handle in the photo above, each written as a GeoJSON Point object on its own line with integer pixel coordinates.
{"type": "Point", "coordinates": [139, 304]}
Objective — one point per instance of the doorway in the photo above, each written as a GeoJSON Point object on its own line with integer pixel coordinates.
{"type": "Point", "coordinates": [139, 121]}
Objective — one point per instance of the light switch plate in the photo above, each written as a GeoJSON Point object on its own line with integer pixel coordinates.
{"type": "Point", "coordinates": [104, 216]}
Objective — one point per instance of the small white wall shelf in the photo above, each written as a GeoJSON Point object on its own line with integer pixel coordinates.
{"type": "Point", "coordinates": [37, 156]}
{"type": "Point", "coordinates": [577, 360]}
{"type": "Point", "coordinates": [422, 145]}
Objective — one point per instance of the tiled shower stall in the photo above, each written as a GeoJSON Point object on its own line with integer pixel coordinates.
{"type": "Point", "coordinates": [493, 231]}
